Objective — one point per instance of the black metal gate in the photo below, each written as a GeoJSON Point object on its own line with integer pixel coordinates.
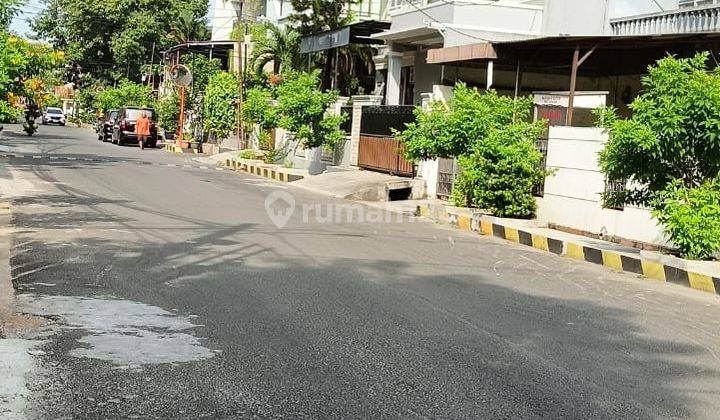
{"type": "Point", "coordinates": [378, 149]}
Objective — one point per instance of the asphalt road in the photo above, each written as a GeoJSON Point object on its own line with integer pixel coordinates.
{"type": "Point", "coordinates": [170, 293]}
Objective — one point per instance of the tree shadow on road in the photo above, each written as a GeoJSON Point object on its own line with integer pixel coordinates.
{"type": "Point", "coordinates": [340, 337]}
{"type": "Point", "coordinates": [305, 335]}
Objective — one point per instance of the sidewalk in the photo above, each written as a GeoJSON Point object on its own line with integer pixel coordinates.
{"type": "Point", "coordinates": [350, 184]}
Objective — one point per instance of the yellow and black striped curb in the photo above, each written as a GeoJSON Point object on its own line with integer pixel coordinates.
{"type": "Point", "coordinates": [617, 261]}
{"type": "Point", "coordinates": [172, 148]}
{"type": "Point", "coordinates": [263, 171]}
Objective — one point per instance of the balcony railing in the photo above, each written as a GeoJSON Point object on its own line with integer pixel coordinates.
{"type": "Point", "coordinates": [684, 20]}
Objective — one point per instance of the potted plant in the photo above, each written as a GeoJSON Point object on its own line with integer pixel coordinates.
{"type": "Point", "coordinates": [196, 144]}
{"type": "Point", "coordinates": [185, 140]}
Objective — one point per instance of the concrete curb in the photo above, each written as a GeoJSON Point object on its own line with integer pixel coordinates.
{"type": "Point", "coordinates": [171, 148]}
{"type": "Point", "coordinates": [262, 170]}
{"type": "Point", "coordinates": [641, 264]}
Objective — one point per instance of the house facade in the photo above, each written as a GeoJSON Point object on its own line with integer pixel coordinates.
{"type": "Point", "coordinates": [421, 25]}
{"type": "Point", "coordinates": [224, 15]}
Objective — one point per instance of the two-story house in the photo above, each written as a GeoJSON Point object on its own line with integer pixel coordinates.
{"type": "Point", "coordinates": [224, 13]}
{"type": "Point", "coordinates": [685, 16]}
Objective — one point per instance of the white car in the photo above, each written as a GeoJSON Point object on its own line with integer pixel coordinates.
{"type": "Point", "coordinates": [53, 116]}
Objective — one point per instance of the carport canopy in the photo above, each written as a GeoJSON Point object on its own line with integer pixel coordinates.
{"type": "Point", "coordinates": [357, 33]}
{"type": "Point", "coordinates": [598, 55]}
{"type": "Point", "coordinates": [610, 55]}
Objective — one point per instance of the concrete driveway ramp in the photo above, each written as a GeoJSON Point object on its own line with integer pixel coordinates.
{"type": "Point", "coordinates": [361, 185]}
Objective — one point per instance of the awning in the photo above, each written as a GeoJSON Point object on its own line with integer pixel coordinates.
{"type": "Point", "coordinates": [357, 33]}
{"type": "Point", "coordinates": [417, 35]}
{"type": "Point", "coordinates": [481, 51]}
{"type": "Point", "coordinates": [611, 56]}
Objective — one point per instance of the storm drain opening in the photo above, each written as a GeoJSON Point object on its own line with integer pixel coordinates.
{"type": "Point", "coordinates": [400, 194]}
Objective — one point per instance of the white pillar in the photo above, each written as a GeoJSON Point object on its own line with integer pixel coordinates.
{"type": "Point", "coordinates": [490, 71]}
{"type": "Point", "coordinates": [358, 101]}
{"type": "Point", "coordinates": [394, 70]}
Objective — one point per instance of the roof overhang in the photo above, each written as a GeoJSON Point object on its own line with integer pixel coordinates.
{"type": "Point", "coordinates": [613, 55]}
{"type": "Point", "coordinates": [418, 35]}
{"type": "Point", "coordinates": [481, 51]}
{"type": "Point", "coordinates": [357, 33]}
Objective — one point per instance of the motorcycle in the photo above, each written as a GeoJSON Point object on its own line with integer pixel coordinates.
{"type": "Point", "coordinates": [32, 111]}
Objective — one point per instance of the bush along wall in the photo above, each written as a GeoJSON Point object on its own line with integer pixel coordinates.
{"type": "Point", "coordinates": [220, 104]}
{"type": "Point", "coordinates": [296, 104]}
{"type": "Point", "coordinates": [495, 145]}
{"type": "Point", "coordinates": [668, 152]}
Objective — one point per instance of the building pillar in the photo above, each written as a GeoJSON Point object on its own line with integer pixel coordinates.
{"type": "Point", "coordinates": [358, 102]}
{"type": "Point", "coordinates": [490, 74]}
{"type": "Point", "coordinates": [394, 74]}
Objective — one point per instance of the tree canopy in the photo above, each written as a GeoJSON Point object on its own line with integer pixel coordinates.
{"type": "Point", "coordinates": [313, 16]}
{"type": "Point", "coordinates": [24, 68]}
{"type": "Point", "coordinates": [673, 134]}
{"type": "Point", "coordinates": [668, 152]}
{"type": "Point", "coordinates": [495, 145]}
{"type": "Point", "coordinates": [8, 10]}
{"type": "Point", "coordinates": [279, 45]}
{"type": "Point", "coordinates": [113, 39]}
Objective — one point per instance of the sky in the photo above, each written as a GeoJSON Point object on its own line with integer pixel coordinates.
{"type": "Point", "coordinates": [618, 7]}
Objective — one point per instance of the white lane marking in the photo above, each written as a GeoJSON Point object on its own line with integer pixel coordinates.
{"type": "Point", "coordinates": [27, 273]}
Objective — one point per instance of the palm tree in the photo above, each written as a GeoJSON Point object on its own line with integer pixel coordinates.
{"type": "Point", "coordinates": [281, 46]}
{"type": "Point", "coordinates": [189, 27]}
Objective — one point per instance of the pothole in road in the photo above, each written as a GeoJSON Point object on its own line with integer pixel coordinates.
{"type": "Point", "coordinates": [121, 331]}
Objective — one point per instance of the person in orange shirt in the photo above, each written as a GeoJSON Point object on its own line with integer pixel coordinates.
{"type": "Point", "coordinates": [142, 129]}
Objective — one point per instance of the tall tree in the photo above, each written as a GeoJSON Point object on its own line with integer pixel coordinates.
{"type": "Point", "coordinates": [279, 45]}
{"type": "Point", "coordinates": [8, 10]}
{"type": "Point", "coordinates": [189, 27]}
{"type": "Point", "coordinates": [313, 16]}
{"type": "Point", "coordinates": [113, 39]}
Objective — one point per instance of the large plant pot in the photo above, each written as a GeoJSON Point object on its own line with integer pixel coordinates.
{"type": "Point", "coordinates": [185, 145]}
{"type": "Point", "coordinates": [196, 145]}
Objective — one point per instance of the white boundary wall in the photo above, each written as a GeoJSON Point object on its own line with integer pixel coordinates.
{"type": "Point", "coordinates": [573, 195]}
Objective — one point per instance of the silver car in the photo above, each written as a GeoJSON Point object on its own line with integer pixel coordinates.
{"type": "Point", "coordinates": [53, 116]}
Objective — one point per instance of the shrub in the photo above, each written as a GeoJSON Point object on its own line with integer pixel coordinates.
{"type": "Point", "coordinates": [500, 172]}
{"type": "Point", "coordinates": [168, 112]}
{"type": "Point", "coordinates": [126, 94]}
{"type": "Point", "coordinates": [494, 143]}
{"type": "Point", "coordinates": [202, 69]}
{"type": "Point", "coordinates": [673, 134]}
{"type": "Point", "coordinates": [302, 110]}
{"type": "Point", "coordinates": [9, 113]}
{"type": "Point", "coordinates": [220, 106]}
{"type": "Point", "coordinates": [247, 154]}
{"type": "Point", "coordinates": [258, 108]}
{"type": "Point", "coordinates": [691, 217]}
{"type": "Point", "coordinates": [670, 147]}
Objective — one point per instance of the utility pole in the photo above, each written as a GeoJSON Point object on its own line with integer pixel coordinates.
{"type": "Point", "coordinates": [151, 74]}
{"type": "Point", "coordinates": [238, 5]}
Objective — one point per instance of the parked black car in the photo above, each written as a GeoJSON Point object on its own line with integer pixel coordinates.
{"type": "Point", "coordinates": [105, 125]}
{"type": "Point", "coordinates": [124, 127]}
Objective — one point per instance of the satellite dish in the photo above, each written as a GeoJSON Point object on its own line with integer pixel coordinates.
{"type": "Point", "coordinates": [181, 76]}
